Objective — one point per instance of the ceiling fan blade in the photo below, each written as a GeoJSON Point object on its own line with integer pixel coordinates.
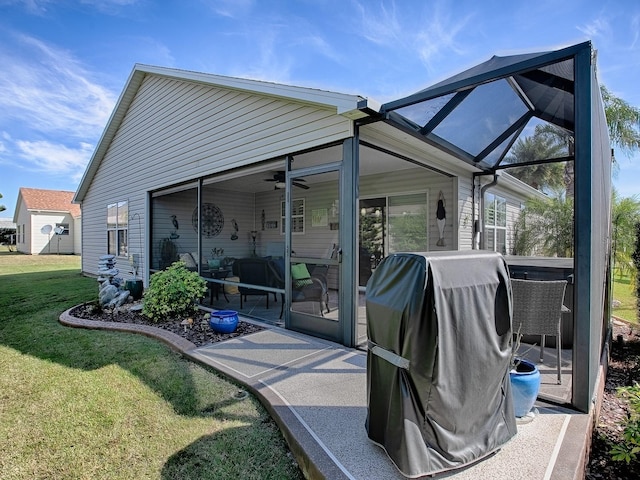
{"type": "Point", "coordinates": [301, 185]}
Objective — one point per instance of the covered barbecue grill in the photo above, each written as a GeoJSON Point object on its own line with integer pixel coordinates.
{"type": "Point", "coordinates": [439, 332]}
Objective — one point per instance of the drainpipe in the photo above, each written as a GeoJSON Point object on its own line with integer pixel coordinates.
{"type": "Point", "coordinates": [483, 240]}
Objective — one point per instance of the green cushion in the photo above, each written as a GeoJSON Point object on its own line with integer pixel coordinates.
{"type": "Point", "coordinates": [300, 275]}
{"type": "Point", "coordinates": [299, 271]}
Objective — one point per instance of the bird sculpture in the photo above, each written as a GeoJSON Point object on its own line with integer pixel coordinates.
{"type": "Point", "coordinates": [174, 235]}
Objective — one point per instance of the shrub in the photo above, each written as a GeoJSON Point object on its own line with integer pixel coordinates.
{"type": "Point", "coordinates": [629, 448]}
{"type": "Point", "coordinates": [173, 292]}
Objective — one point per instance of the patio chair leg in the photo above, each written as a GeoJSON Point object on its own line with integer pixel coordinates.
{"type": "Point", "coordinates": [559, 360]}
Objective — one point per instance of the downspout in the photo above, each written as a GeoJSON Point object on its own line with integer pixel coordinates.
{"type": "Point", "coordinates": [483, 240]}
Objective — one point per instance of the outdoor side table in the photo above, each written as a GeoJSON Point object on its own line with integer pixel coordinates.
{"type": "Point", "coordinates": [214, 287]}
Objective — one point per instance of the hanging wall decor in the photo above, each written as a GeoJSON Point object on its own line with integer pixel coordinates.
{"type": "Point", "coordinates": [212, 220]}
{"type": "Point", "coordinates": [441, 218]}
{"type": "Point", "coordinates": [234, 235]}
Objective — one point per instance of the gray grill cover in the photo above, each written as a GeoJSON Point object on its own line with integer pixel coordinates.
{"type": "Point", "coordinates": [439, 329]}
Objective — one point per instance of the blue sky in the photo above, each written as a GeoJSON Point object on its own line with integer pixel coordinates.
{"type": "Point", "coordinates": [63, 63]}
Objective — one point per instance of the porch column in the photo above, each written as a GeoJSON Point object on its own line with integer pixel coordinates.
{"type": "Point", "coordinates": [349, 238]}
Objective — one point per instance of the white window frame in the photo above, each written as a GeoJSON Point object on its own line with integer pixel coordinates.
{"type": "Point", "coordinates": [118, 227]}
{"type": "Point", "coordinates": [65, 228]}
{"type": "Point", "coordinates": [298, 205]}
{"type": "Point", "coordinates": [491, 226]}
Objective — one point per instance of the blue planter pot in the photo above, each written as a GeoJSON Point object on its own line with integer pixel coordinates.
{"type": "Point", "coordinates": [525, 384]}
{"type": "Point", "coordinates": [224, 321]}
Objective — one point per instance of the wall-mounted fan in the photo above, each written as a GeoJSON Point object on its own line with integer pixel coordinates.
{"type": "Point", "coordinates": [279, 178]}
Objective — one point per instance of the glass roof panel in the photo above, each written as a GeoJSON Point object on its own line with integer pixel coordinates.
{"type": "Point", "coordinates": [421, 113]}
{"type": "Point", "coordinates": [481, 117]}
{"type": "Point", "coordinates": [492, 158]}
{"type": "Point", "coordinates": [539, 141]}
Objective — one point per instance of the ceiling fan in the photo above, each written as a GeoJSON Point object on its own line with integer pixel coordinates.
{"type": "Point", "coordinates": [279, 178]}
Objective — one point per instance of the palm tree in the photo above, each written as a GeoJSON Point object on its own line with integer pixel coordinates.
{"type": "Point", "coordinates": [623, 121]}
{"type": "Point", "coordinates": [546, 142]}
{"type": "Point", "coordinates": [545, 227]}
{"type": "Point", "coordinates": [625, 214]}
{"type": "Point", "coordinates": [2, 207]}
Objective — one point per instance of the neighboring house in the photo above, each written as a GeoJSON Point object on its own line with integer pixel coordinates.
{"type": "Point", "coordinates": [47, 222]}
{"type": "Point", "coordinates": [194, 163]}
{"type": "Point", "coordinates": [7, 232]}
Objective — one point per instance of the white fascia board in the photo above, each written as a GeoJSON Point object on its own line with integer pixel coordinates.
{"type": "Point", "coordinates": [345, 104]}
{"type": "Point", "coordinates": [512, 183]}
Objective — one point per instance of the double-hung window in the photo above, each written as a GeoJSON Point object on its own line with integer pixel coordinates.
{"type": "Point", "coordinates": [297, 216]}
{"type": "Point", "coordinates": [117, 228]}
{"type": "Point", "coordinates": [495, 223]}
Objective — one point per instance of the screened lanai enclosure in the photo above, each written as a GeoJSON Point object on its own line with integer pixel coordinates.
{"type": "Point", "coordinates": [232, 229]}
{"type": "Point", "coordinates": [287, 199]}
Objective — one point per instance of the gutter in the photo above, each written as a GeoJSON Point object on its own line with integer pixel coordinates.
{"type": "Point", "coordinates": [479, 226]}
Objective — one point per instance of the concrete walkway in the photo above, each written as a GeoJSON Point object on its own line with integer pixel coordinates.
{"type": "Point", "coordinates": [316, 392]}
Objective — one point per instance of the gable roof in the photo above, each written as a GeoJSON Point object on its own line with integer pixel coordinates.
{"type": "Point", "coordinates": [351, 106]}
{"type": "Point", "coordinates": [38, 199]}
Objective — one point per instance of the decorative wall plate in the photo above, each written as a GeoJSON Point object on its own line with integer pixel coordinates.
{"type": "Point", "coordinates": [212, 220]}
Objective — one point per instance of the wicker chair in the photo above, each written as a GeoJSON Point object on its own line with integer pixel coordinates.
{"type": "Point", "coordinates": [538, 309]}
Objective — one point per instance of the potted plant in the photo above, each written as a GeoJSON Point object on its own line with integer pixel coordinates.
{"type": "Point", "coordinates": [214, 261]}
{"type": "Point", "coordinates": [525, 380]}
{"type": "Point", "coordinates": [134, 286]}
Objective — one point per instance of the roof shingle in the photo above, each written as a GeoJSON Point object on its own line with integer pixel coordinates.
{"type": "Point", "coordinates": [49, 200]}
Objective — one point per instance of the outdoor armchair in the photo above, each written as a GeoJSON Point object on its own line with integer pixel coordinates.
{"type": "Point", "coordinates": [538, 309]}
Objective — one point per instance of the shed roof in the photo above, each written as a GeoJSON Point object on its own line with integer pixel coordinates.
{"type": "Point", "coordinates": [48, 200]}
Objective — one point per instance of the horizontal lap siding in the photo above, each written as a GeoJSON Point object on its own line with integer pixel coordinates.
{"type": "Point", "coordinates": [465, 213]}
{"type": "Point", "coordinates": [176, 131]}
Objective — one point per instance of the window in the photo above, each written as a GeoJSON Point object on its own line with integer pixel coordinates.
{"type": "Point", "coordinates": [297, 216]}
{"type": "Point", "coordinates": [495, 223]}
{"type": "Point", "coordinates": [64, 227]}
{"type": "Point", "coordinates": [117, 228]}
{"type": "Point", "coordinates": [407, 217]}
{"type": "Point", "coordinates": [18, 235]}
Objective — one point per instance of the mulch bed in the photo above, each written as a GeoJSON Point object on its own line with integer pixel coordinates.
{"type": "Point", "coordinates": [624, 370]}
{"type": "Point", "coordinates": [199, 333]}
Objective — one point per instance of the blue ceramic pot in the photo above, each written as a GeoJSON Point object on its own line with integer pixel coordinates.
{"type": "Point", "coordinates": [525, 384]}
{"type": "Point", "coordinates": [224, 321]}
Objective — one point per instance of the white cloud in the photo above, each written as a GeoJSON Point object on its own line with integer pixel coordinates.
{"type": "Point", "coordinates": [230, 8]}
{"type": "Point", "coordinates": [48, 90]}
{"type": "Point", "coordinates": [48, 157]}
{"type": "Point", "coordinates": [430, 33]}
{"type": "Point", "coordinates": [598, 28]}
{"type": "Point", "coordinates": [272, 63]}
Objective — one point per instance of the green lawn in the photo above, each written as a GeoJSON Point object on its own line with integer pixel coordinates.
{"type": "Point", "coordinates": [104, 405]}
{"type": "Point", "coordinates": [623, 291]}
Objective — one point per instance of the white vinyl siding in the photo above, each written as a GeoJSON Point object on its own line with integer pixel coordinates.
{"type": "Point", "coordinates": [176, 131]}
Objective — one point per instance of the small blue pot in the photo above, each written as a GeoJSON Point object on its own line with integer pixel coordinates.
{"type": "Point", "coordinates": [224, 321]}
{"type": "Point", "coordinates": [525, 384]}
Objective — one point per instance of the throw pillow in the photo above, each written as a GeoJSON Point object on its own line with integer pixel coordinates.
{"type": "Point", "coordinates": [301, 276]}
{"type": "Point", "coordinates": [188, 260]}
